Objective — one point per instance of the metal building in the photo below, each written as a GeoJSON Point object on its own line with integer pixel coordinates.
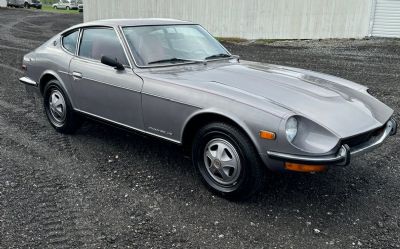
{"type": "Point", "coordinates": [385, 18]}
{"type": "Point", "coordinates": [265, 19]}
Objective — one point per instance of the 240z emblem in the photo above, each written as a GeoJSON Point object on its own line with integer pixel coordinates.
{"type": "Point", "coordinates": [161, 131]}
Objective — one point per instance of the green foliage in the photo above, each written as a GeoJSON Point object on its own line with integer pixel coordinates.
{"type": "Point", "coordinates": [49, 2]}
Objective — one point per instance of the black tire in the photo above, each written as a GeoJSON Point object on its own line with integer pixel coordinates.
{"type": "Point", "coordinates": [70, 121]}
{"type": "Point", "coordinates": [55, 7]}
{"type": "Point", "coordinates": [250, 178]}
{"type": "Point", "coordinates": [67, 8]}
{"type": "Point", "coordinates": [26, 5]}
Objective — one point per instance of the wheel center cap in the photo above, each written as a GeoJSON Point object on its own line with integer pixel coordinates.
{"type": "Point", "coordinates": [217, 163]}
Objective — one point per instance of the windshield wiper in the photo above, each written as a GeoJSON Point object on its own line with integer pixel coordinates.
{"type": "Point", "coordinates": [174, 60]}
{"type": "Point", "coordinates": [215, 56]}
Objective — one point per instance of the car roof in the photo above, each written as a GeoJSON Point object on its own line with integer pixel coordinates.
{"type": "Point", "coordinates": [133, 22]}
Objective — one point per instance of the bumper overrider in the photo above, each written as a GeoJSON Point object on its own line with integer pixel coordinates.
{"type": "Point", "coordinates": [344, 154]}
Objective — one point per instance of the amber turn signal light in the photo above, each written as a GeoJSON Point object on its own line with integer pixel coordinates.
{"type": "Point", "coordinates": [267, 135]}
{"type": "Point", "coordinates": [305, 167]}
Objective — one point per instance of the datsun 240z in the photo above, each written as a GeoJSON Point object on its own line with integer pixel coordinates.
{"type": "Point", "coordinates": [171, 79]}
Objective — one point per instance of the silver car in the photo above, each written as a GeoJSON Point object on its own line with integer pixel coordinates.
{"type": "Point", "coordinates": [171, 79]}
{"type": "Point", "coordinates": [66, 4]}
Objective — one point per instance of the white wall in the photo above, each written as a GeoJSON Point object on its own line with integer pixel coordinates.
{"type": "Point", "coordinates": [250, 19]}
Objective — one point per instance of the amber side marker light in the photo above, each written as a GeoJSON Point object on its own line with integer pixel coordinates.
{"type": "Point", "coordinates": [305, 167]}
{"type": "Point", "coordinates": [267, 135]}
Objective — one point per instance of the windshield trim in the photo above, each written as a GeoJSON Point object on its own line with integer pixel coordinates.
{"type": "Point", "coordinates": [121, 29]}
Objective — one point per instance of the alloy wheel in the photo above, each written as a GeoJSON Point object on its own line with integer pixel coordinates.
{"type": "Point", "coordinates": [57, 106]}
{"type": "Point", "coordinates": [222, 161]}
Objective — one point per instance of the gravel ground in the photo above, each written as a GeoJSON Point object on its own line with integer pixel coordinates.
{"type": "Point", "coordinates": [104, 188]}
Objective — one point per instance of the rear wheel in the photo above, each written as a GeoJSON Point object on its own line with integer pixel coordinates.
{"type": "Point", "coordinates": [58, 109]}
{"type": "Point", "coordinates": [227, 161]}
{"type": "Point", "coordinates": [67, 8]}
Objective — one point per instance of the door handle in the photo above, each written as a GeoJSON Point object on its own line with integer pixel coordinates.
{"type": "Point", "coordinates": [77, 75]}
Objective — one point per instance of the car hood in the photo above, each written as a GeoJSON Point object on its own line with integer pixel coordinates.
{"type": "Point", "coordinates": [341, 106]}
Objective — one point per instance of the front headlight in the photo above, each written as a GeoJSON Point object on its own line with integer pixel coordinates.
{"type": "Point", "coordinates": [291, 128]}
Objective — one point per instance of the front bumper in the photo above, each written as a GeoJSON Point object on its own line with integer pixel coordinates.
{"type": "Point", "coordinates": [342, 157]}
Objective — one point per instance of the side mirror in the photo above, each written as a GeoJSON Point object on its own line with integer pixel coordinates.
{"type": "Point", "coordinates": [112, 63]}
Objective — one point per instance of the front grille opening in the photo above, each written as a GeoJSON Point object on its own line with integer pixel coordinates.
{"type": "Point", "coordinates": [361, 138]}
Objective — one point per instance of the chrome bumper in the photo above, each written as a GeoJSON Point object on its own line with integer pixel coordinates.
{"type": "Point", "coordinates": [28, 81]}
{"type": "Point", "coordinates": [345, 152]}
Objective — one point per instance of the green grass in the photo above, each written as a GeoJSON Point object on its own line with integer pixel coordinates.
{"type": "Point", "coordinates": [240, 40]}
{"type": "Point", "coordinates": [49, 8]}
{"type": "Point", "coordinates": [230, 39]}
{"type": "Point", "coordinates": [268, 41]}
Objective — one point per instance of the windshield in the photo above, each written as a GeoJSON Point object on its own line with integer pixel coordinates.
{"type": "Point", "coordinates": [153, 45]}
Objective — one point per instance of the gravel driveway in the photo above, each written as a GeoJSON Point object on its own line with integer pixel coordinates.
{"type": "Point", "coordinates": [104, 188]}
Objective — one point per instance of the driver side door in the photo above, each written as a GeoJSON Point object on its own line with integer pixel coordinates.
{"type": "Point", "coordinates": [100, 90]}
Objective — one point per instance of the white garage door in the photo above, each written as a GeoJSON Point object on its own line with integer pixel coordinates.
{"type": "Point", "coordinates": [386, 20]}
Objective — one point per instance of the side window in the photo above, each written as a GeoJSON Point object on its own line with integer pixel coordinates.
{"type": "Point", "coordinates": [69, 41]}
{"type": "Point", "coordinates": [98, 42]}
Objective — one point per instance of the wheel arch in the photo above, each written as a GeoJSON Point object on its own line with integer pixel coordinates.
{"type": "Point", "coordinates": [46, 77]}
{"type": "Point", "coordinates": [202, 118]}
{"type": "Point", "coordinates": [51, 75]}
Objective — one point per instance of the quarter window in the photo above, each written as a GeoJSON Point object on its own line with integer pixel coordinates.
{"type": "Point", "coordinates": [69, 41]}
{"type": "Point", "coordinates": [98, 42]}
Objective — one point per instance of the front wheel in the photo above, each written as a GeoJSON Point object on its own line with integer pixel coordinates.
{"type": "Point", "coordinates": [67, 8]}
{"type": "Point", "coordinates": [58, 109]}
{"type": "Point", "coordinates": [227, 161]}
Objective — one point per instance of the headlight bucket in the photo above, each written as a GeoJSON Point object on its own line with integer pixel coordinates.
{"type": "Point", "coordinates": [308, 136]}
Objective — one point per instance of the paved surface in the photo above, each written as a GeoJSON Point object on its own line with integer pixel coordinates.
{"type": "Point", "coordinates": [106, 188]}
